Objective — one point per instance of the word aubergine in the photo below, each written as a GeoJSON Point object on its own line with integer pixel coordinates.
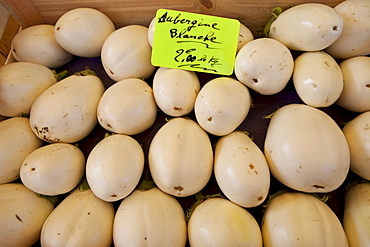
{"type": "Point", "coordinates": [192, 23]}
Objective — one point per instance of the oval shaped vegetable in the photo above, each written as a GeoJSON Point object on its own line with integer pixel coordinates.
{"type": "Point", "coordinates": [307, 27]}
{"type": "Point", "coordinates": [221, 105]}
{"type": "Point", "coordinates": [355, 37]}
{"type": "Point", "coordinates": [83, 31]}
{"type": "Point", "coordinates": [356, 78]}
{"type": "Point", "coordinates": [53, 169]}
{"type": "Point", "coordinates": [264, 65]}
{"type": "Point", "coordinates": [126, 53]}
{"type": "Point", "coordinates": [16, 142]}
{"type": "Point", "coordinates": [66, 111]}
{"type": "Point", "coordinates": [181, 157]}
{"type": "Point", "coordinates": [175, 90]}
{"type": "Point", "coordinates": [357, 133]}
{"type": "Point", "coordinates": [20, 84]}
{"type": "Point", "coordinates": [37, 44]}
{"type": "Point", "coordinates": [306, 150]}
{"type": "Point", "coordinates": [298, 219]}
{"type": "Point", "coordinates": [317, 78]}
{"type": "Point", "coordinates": [127, 107]}
{"type": "Point", "coordinates": [114, 167]}
{"type": "Point", "coordinates": [149, 218]}
{"type": "Point", "coordinates": [22, 214]}
{"type": "Point", "coordinates": [356, 215]}
{"type": "Point", "coordinates": [219, 222]}
{"type": "Point", "coordinates": [81, 219]}
{"type": "Point", "coordinates": [241, 170]}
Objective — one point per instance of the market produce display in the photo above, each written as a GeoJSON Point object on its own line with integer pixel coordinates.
{"type": "Point", "coordinates": [101, 148]}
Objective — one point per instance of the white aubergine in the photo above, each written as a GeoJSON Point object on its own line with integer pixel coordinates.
{"type": "Point", "coordinates": [306, 150]}
{"type": "Point", "coordinates": [53, 169]}
{"type": "Point", "coordinates": [181, 157]}
{"type": "Point", "coordinates": [149, 218]}
{"type": "Point", "coordinates": [16, 142]}
{"type": "Point", "coordinates": [241, 170]}
{"type": "Point", "coordinates": [37, 44]}
{"type": "Point", "coordinates": [20, 84]}
{"type": "Point", "coordinates": [22, 214]}
{"type": "Point", "coordinates": [307, 27]}
{"type": "Point", "coordinates": [221, 105]}
{"type": "Point", "coordinates": [114, 167]}
{"type": "Point", "coordinates": [66, 111]}
{"type": "Point", "coordinates": [81, 219]}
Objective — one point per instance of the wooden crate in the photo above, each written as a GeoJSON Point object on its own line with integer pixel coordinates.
{"type": "Point", "coordinates": [8, 28]}
{"type": "Point", "coordinates": [252, 13]}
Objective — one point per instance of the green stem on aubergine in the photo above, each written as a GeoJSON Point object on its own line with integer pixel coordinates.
{"type": "Point", "coordinates": [27, 115]}
{"type": "Point", "coordinates": [358, 181]}
{"type": "Point", "coordinates": [275, 13]}
{"type": "Point", "coordinates": [84, 185]}
{"type": "Point", "coordinates": [146, 183]}
{"type": "Point", "coordinates": [52, 199]}
{"type": "Point", "coordinates": [61, 75]}
{"type": "Point", "coordinates": [85, 72]}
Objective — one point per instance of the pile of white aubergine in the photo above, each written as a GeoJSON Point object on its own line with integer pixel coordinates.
{"type": "Point", "coordinates": [54, 194]}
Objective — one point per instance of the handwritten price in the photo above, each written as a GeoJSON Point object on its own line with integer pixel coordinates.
{"type": "Point", "coordinates": [195, 61]}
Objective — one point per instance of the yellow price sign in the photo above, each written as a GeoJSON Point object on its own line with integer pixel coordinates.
{"type": "Point", "coordinates": [195, 42]}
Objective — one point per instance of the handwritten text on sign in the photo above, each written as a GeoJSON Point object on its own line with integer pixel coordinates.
{"type": "Point", "coordinates": [195, 42]}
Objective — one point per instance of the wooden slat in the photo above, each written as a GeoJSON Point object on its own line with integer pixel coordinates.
{"type": "Point", "coordinates": [252, 13]}
{"type": "Point", "coordinates": [11, 28]}
{"type": "Point", "coordinates": [24, 12]}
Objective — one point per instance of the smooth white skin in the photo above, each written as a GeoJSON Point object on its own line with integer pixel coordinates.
{"type": "Point", "coordinates": [264, 65]}
{"type": "Point", "coordinates": [355, 37]}
{"type": "Point", "coordinates": [16, 142]}
{"type": "Point", "coordinates": [81, 219]}
{"type": "Point", "coordinates": [307, 27]}
{"type": "Point", "coordinates": [20, 84]}
{"type": "Point", "coordinates": [175, 90]}
{"type": "Point", "coordinates": [219, 222]}
{"type": "Point", "coordinates": [181, 157]}
{"type": "Point", "coordinates": [149, 218]}
{"type": "Point", "coordinates": [317, 78]}
{"type": "Point", "coordinates": [151, 29]}
{"type": "Point", "coordinates": [356, 216]}
{"type": "Point", "coordinates": [356, 91]}
{"type": "Point", "coordinates": [241, 170]}
{"type": "Point", "coordinates": [127, 107]}
{"type": "Point", "coordinates": [114, 167]}
{"type": "Point", "coordinates": [22, 214]}
{"type": "Point", "coordinates": [306, 150]}
{"type": "Point", "coordinates": [53, 169]}
{"type": "Point", "coordinates": [83, 31]}
{"type": "Point", "coordinates": [245, 36]}
{"type": "Point", "coordinates": [222, 105]}
{"type": "Point", "coordinates": [298, 219]}
{"type": "Point", "coordinates": [37, 44]}
{"type": "Point", "coordinates": [357, 133]}
{"type": "Point", "coordinates": [126, 53]}
{"type": "Point", "coordinates": [62, 113]}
